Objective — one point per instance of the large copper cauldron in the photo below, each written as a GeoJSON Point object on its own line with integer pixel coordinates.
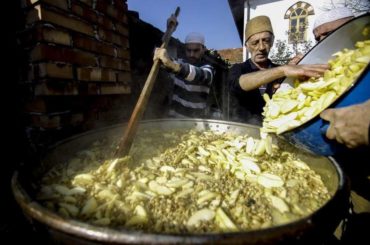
{"type": "Point", "coordinates": [310, 230]}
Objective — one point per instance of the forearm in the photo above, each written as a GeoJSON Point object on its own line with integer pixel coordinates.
{"type": "Point", "coordinates": [170, 64]}
{"type": "Point", "coordinates": [367, 104]}
{"type": "Point", "coordinates": [368, 135]}
{"type": "Point", "coordinates": [362, 115]}
{"type": "Point", "coordinates": [349, 125]}
{"type": "Point", "coordinates": [255, 80]}
{"type": "Point", "coordinates": [203, 74]}
{"type": "Point", "coordinates": [367, 110]}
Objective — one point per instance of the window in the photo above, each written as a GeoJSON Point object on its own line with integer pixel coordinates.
{"type": "Point", "coordinates": [298, 22]}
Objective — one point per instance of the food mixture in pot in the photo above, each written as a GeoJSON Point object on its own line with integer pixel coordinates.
{"type": "Point", "coordinates": [206, 182]}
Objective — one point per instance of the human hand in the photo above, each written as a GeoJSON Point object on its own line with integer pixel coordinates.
{"type": "Point", "coordinates": [303, 71]}
{"type": "Point", "coordinates": [275, 87]}
{"type": "Point", "coordinates": [162, 55]}
{"type": "Point", "coordinates": [295, 59]}
{"type": "Point", "coordinates": [349, 125]}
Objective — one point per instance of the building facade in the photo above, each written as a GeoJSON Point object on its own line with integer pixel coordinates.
{"type": "Point", "coordinates": [292, 20]}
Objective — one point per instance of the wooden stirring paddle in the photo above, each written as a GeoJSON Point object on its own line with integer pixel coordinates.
{"type": "Point", "coordinates": [124, 145]}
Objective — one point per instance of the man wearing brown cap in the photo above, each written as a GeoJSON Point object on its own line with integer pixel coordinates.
{"type": "Point", "coordinates": [246, 78]}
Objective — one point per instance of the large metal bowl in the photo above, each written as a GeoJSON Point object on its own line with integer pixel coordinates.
{"type": "Point", "coordinates": [54, 228]}
{"type": "Point", "coordinates": [311, 135]}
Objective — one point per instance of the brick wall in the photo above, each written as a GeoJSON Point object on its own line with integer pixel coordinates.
{"type": "Point", "coordinates": [84, 64]}
{"type": "Point", "coordinates": [75, 64]}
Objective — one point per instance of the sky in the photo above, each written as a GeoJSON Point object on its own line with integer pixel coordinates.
{"type": "Point", "coordinates": [212, 18]}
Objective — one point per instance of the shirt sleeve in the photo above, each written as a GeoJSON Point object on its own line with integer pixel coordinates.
{"type": "Point", "coordinates": [197, 75]}
{"type": "Point", "coordinates": [233, 78]}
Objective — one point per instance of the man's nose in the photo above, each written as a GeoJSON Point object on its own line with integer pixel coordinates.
{"type": "Point", "coordinates": [192, 54]}
{"type": "Point", "coordinates": [261, 45]}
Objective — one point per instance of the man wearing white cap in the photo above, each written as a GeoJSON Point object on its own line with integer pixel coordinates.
{"type": "Point", "coordinates": [192, 78]}
{"type": "Point", "coordinates": [350, 126]}
{"type": "Point", "coordinates": [345, 130]}
{"type": "Point", "coordinates": [246, 78]}
{"type": "Point", "coordinates": [330, 21]}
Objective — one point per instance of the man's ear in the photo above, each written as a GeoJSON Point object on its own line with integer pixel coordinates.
{"type": "Point", "coordinates": [246, 46]}
{"type": "Point", "coordinates": [203, 50]}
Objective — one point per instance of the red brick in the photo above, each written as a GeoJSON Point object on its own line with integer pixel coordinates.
{"type": "Point", "coordinates": [101, 74]}
{"type": "Point", "coordinates": [102, 6]}
{"type": "Point", "coordinates": [52, 70]}
{"type": "Point", "coordinates": [109, 36]}
{"type": "Point", "coordinates": [45, 121]}
{"type": "Point", "coordinates": [55, 36]}
{"type": "Point", "coordinates": [44, 33]}
{"type": "Point", "coordinates": [123, 53]}
{"type": "Point", "coordinates": [37, 105]}
{"type": "Point", "coordinates": [112, 11]}
{"type": "Point", "coordinates": [121, 5]}
{"type": "Point", "coordinates": [87, 2]}
{"type": "Point", "coordinates": [124, 19]}
{"type": "Point", "coordinates": [55, 88]}
{"type": "Point", "coordinates": [76, 119]}
{"type": "Point", "coordinates": [94, 46]}
{"type": "Point", "coordinates": [105, 22]}
{"type": "Point", "coordinates": [62, 4]}
{"type": "Point", "coordinates": [122, 29]}
{"type": "Point", "coordinates": [47, 104]}
{"type": "Point", "coordinates": [40, 13]}
{"type": "Point", "coordinates": [56, 70]}
{"type": "Point", "coordinates": [33, 15]}
{"type": "Point", "coordinates": [93, 89]}
{"type": "Point", "coordinates": [56, 120]}
{"type": "Point", "coordinates": [117, 88]}
{"type": "Point", "coordinates": [85, 12]}
{"type": "Point", "coordinates": [114, 63]}
{"type": "Point", "coordinates": [124, 77]}
{"type": "Point", "coordinates": [54, 53]}
{"type": "Point", "coordinates": [107, 88]}
{"type": "Point", "coordinates": [125, 42]}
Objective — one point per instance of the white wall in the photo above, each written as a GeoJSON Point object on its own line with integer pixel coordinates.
{"type": "Point", "coordinates": [275, 10]}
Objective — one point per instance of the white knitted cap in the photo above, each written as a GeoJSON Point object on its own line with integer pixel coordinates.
{"type": "Point", "coordinates": [194, 37]}
{"type": "Point", "coordinates": [332, 15]}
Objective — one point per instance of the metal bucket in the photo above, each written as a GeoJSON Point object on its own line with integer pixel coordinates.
{"type": "Point", "coordinates": [56, 229]}
{"type": "Point", "coordinates": [311, 135]}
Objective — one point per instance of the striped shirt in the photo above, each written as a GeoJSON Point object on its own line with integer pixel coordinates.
{"type": "Point", "coordinates": [191, 89]}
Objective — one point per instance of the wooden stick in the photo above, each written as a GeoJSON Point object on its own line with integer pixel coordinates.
{"type": "Point", "coordinates": [130, 132]}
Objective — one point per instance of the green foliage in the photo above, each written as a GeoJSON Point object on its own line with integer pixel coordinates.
{"type": "Point", "coordinates": [283, 52]}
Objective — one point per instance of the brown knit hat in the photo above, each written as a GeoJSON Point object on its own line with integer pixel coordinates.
{"type": "Point", "coordinates": [257, 24]}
